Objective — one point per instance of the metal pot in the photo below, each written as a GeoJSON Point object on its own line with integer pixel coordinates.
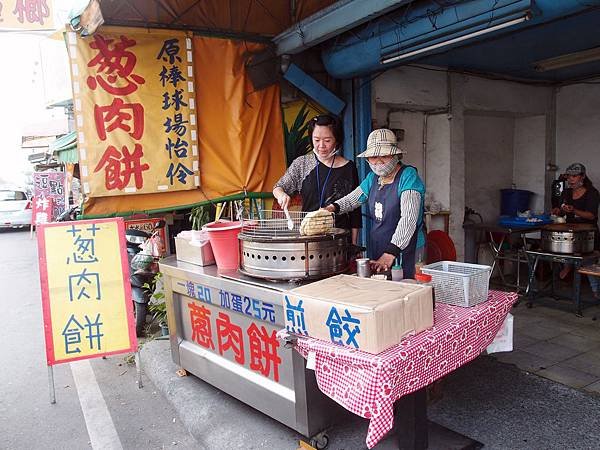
{"type": "Point", "coordinates": [295, 257]}
{"type": "Point", "coordinates": [568, 238]}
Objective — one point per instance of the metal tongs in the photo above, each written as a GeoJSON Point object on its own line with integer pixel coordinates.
{"type": "Point", "coordinates": [290, 222]}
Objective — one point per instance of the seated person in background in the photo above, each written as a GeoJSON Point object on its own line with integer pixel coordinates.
{"type": "Point", "coordinates": [580, 205]}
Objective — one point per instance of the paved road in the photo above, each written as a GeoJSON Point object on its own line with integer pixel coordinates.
{"type": "Point", "coordinates": [98, 403]}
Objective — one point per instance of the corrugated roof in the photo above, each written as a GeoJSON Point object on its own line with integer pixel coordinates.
{"type": "Point", "coordinates": [65, 142]}
{"type": "Point", "coordinates": [65, 148]}
{"type": "Point", "coordinates": [69, 155]}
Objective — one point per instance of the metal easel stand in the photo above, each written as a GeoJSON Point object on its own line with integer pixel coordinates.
{"type": "Point", "coordinates": [138, 369]}
{"type": "Point", "coordinates": [51, 385]}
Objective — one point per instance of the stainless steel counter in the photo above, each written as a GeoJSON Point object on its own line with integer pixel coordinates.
{"type": "Point", "coordinates": [223, 330]}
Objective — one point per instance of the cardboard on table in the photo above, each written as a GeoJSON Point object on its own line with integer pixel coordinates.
{"type": "Point", "coordinates": [363, 313]}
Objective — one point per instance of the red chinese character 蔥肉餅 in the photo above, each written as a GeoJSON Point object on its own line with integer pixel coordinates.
{"type": "Point", "coordinates": [31, 10]}
{"type": "Point", "coordinates": [201, 328]}
{"type": "Point", "coordinates": [230, 337]}
{"type": "Point", "coordinates": [120, 166]}
{"type": "Point", "coordinates": [128, 117]}
{"type": "Point", "coordinates": [115, 66]}
{"type": "Point", "coordinates": [263, 351]}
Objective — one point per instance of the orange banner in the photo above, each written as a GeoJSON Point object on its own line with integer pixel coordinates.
{"type": "Point", "coordinates": [241, 148]}
{"type": "Point", "coordinates": [240, 133]}
{"type": "Point", "coordinates": [135, 111]}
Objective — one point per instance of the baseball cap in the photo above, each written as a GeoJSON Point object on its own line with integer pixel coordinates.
{"type": "Point", "coordinates": [575, 169]}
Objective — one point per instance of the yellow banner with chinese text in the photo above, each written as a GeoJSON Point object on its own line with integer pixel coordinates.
{"type": "Point", "coordinates": [240, 141]}
{"type": "Point", "coordinates": [26, 15]}
{"type": "Point", "coordinates": [135, 111]}
{"type": "Point", "coordinates": [86, 296]}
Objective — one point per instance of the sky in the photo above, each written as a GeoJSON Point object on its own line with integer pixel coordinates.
{"type": "Point", "coordinates": [34, 73]}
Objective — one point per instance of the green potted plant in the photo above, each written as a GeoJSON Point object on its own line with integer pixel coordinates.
{"type": "Point", "coordinates": [200, 216]}
{"type": "Point", "coordinates": [157, 305]}
{"type": "Point", "coordinates": [297, 141]}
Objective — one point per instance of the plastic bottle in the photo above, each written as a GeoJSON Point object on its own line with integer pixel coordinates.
{"type": "Point", "coordinates": [397, 273]}
{"type": "Point", "coordinates": [419, 264]}
{"type": "Point", "coordinates": [425, 279]}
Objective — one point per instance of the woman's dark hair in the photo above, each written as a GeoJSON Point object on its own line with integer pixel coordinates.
{"type": "Point", "coordinates": [326, 120]}
{"type": "Point", "coordinates": [587, 183]}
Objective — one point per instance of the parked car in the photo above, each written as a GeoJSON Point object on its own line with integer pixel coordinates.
{"type": "Point", "coordinates": [15, 209]}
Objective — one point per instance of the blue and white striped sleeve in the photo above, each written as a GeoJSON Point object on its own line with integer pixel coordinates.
{"type": "Point", "coordinates": [351, 201]}
{"type": "Point", "coordinates": [410, 207]}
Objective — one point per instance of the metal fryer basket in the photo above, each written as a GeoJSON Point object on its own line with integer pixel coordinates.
{"type": "Point", "coordinates": [274, 223]}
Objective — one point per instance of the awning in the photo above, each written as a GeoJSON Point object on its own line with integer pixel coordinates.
{"type": "Point", "coordinates": [68, 156]}
{"type": "Point", "coordinates": [65, 148]}
{"type": "Point", "coordinates": [242, 19]}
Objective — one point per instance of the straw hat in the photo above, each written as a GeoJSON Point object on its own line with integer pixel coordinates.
{"type": "Point", "coordinates": [381, 142]}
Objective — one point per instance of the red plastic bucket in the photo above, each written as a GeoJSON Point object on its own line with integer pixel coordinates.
{"type": "Point", "coordinates": [223, 237]}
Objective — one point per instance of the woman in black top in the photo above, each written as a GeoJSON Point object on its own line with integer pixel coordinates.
{"type": "Point", "coordinates": [580, 200]}
{"type": "Point", "coordinates": [322, 176]}
{"type": "Point", "coordinates": [580, 205]}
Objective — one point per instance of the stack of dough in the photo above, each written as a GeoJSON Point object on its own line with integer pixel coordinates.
{"type": "Point", "coordinates": [316, 222]}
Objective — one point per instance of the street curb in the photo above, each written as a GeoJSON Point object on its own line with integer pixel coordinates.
{"type": "Point", "coordinates": [215, 419]}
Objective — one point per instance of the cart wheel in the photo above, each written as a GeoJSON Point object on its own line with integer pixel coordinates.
{"type": "Point", "coordinates": [320, 441]}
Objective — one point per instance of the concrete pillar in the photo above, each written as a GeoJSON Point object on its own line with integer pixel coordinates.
{"type": "Point", "coordinates": [457, 162]}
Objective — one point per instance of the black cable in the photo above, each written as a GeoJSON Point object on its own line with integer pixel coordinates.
{"type": "Point", "coordinates": [275, 19]}
{"type": "Point", "coordinates": [484, 75]}
{"type": "Point", "coordinates": [206, 197]}
{"type": "Point", "coordinates": [247, 15]}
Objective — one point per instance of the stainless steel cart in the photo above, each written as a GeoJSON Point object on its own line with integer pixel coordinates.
{"type": "Point", "coordinates": [222, 329]}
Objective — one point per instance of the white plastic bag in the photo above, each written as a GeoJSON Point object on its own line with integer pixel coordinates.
{"type": "Point", "coordinates": [153, 246]}
{"type": "Point", "coordinates": [503, 342]}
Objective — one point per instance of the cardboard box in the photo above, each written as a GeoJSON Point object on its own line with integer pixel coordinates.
{"type": "Point", "coordinates": [371, 315]}
{"type": "Point", "coordinates": [201, 255]}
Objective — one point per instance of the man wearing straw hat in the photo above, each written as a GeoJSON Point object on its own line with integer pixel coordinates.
{"type": "Point", "coordinates": [395, 194]}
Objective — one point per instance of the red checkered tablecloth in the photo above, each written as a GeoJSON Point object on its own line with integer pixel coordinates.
{"type": "Point", "coordinates": [368, 385]}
